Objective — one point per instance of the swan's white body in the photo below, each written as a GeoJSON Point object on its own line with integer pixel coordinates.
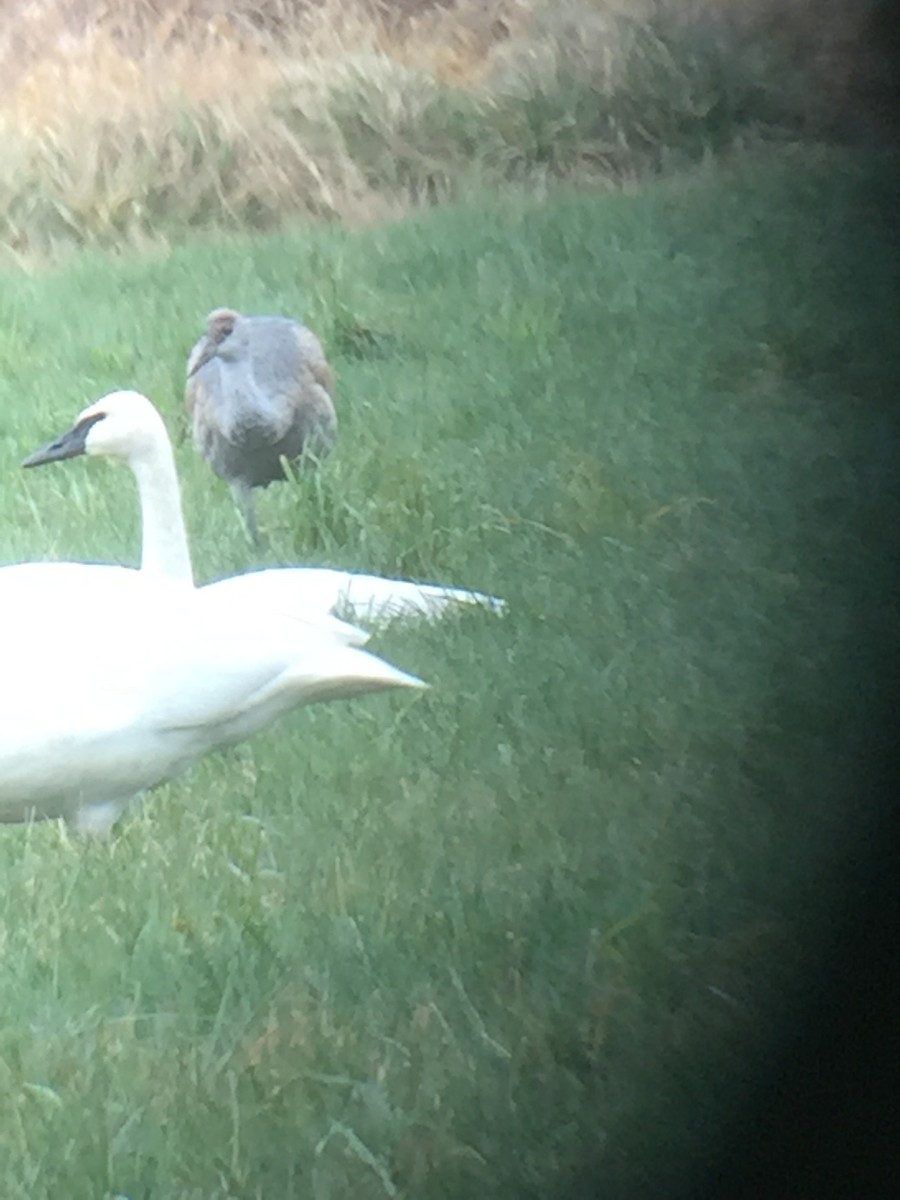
{"type": "Point", "coordinates": [127, 427]}
{"type": "Point", "coordinates": [114, 681]}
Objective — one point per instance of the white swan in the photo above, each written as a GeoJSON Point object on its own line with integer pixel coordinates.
{"type": "Point", "coordinates": [115, 680]}
{"type": "Point", "coordinates": [125, 425]}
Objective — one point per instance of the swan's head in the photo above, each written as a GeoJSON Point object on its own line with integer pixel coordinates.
{"type": "Point", "coordinates": [123, 425]}
{"type": "Point", "coordinates": [223, 339]}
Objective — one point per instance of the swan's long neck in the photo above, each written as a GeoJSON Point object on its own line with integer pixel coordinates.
{"type": "Point", "coordinates": [164, 545]}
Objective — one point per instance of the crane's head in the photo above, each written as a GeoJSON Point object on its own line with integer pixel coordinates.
{"type": "Point", "coordinates": [220, 324]}
{"type": "Point", "coordinates": [220, 340]}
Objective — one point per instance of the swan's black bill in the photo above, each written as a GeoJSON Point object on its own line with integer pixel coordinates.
{"type": "Point", "coordinates": [68, 445]}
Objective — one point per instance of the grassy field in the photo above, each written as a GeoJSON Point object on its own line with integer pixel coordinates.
{"type": "Point", "coordinates": [553, 912]}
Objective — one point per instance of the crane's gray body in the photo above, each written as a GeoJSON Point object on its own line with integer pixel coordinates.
{"type": "Point", "coordinates": [259, 390]}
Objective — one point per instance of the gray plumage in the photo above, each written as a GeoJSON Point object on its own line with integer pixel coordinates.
{"type": "Point", "coordinates": [259, 390]}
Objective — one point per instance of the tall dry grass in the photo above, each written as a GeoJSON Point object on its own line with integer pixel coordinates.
{"type": "Point", "coordinates": [128, 120]}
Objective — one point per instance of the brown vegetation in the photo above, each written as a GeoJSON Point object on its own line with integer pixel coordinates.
{"type": "Point", "coordinates": [125, 119]}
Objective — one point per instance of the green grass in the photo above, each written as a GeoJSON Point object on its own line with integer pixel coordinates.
{"type": "Point", "coordinates": [553, 909]}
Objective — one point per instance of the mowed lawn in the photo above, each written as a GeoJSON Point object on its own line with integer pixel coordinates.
{"type": "Point", "coordinates": [551, 912]}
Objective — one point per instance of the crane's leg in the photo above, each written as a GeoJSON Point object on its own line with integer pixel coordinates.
{"type": "Point", "coordinates": [243, 494]}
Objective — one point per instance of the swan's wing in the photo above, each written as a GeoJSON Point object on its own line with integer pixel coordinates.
{"type": "Point", "coordinates": [111, 648]}
{"type": "Point", "coordinates": [309, 594]}
{"type": "Point", "coordinates": [298, 658]}
{"type": "Point", "coordinates": [112, 683]}
{"type": "Point", "coordinates": [98, 647]}
{"type": "Point", "coordinates": [367, 598]}
{"type": "Point", "coordinates": [285, 592]}
{"type": "Point", "coordinates": [335, 672]}
{"type": "Point", "coordinates": [370, 597]}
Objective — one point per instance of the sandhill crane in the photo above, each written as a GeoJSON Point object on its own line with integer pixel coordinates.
{"type": "Point", "coordinates": [259, 392]}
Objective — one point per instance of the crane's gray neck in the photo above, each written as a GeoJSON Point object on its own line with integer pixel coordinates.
{"type": "Point", "coordinates": [164, 544]}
